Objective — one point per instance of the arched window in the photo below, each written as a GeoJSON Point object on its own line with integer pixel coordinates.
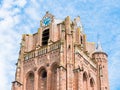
{"type": "Point", "coordinates": [85, 81]}
{"type": "Point", "coordinates": [54, 78]}
{"type": "Point", "coordinates": [81, 40]}
{"type": "Point", "coordinates": [91, 84]}
{"type": "Point", "coordinates": [30, 82]}
{"type": "Point", "coordinates": [42, 83]}
{"type": "Point", "coordinates": [45, 37]}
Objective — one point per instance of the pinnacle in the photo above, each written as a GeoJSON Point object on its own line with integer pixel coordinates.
{"type": "Point", "coordinates": [99, 47]}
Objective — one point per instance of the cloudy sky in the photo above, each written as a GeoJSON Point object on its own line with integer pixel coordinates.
{"type": "Point", "coordinates": [23, 16]}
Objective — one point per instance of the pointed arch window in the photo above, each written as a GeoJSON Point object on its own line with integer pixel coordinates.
{"type": "Point", "coordinates": [85, 81]}
{"type": "Point", "coordinates": [42, 83]}
{"type": "Point", "coordinates": [30, 82]}
{"type": "Point", "coordinates": [92, 84]}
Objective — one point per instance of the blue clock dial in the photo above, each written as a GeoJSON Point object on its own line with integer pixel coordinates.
{"type": "Point", "coordinates": [46, 21]}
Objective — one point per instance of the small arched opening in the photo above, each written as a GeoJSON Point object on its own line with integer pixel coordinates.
{"type": "Point", "coordinates": [81, 40]}
{"type": "Point", "coordinates": [42, 81]}
{"type": "Point", "coordinates": [92, 84]}
{"type": "Point", "coordinates": [85, 81]}
{"type": "Point", "coordinates": [30, 81]}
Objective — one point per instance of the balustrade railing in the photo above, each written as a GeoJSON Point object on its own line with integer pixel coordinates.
{"type": "Point", "coordinates": [41, 51]}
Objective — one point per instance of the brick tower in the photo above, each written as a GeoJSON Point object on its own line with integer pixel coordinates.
{"type": "Point", "coordinates": [58, 57]}
{"type": "Point", "coordinates": [102, 67]}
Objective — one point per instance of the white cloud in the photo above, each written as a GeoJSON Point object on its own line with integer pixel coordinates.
{"type": "Point", "coordinates": [9, 41]}
{"type": "Point", "coordinates": [20, 3]}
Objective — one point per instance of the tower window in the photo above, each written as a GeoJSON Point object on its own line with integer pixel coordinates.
{"type": "Point", "coordinates": [81, 40]}
{"type": "Point", "coordinates": [31, 76]}
{"type": "Point", "coordinates": [44, 74]}
{"type": "Point", "coordinates": [42, 80]}
{"type": "Point", "coordinates": [45, 37]}
{"type": "Point", "coordinates": [92, 84]}
{"type": "Point", "coordinates": [30, 82]}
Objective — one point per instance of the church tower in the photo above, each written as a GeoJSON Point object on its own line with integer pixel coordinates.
{"type": "Point", "coordinates": [58, 57]}
{"type": "Point", "coordinates": [102, 66]}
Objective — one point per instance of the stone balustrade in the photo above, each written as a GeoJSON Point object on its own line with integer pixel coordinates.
{"type": "Point", "coordinates": [42, 50]}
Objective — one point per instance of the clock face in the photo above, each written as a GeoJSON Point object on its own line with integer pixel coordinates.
{"type": "Point", "coordinates": [46, 21]}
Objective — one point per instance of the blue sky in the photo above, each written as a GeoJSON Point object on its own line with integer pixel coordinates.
{"type": "Point", "coordinates": [23, 16]}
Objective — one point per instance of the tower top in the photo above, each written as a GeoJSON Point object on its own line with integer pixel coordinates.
{"type": "Point", "coordinates": [99, 47]}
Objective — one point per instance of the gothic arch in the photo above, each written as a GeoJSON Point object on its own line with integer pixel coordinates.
{"type": "Point", "coordinates": [41, 68]}
{"type": "Point", "coordinates": [42, 79]}
{"type": "Point", "coordinates": [54, 72]}
{"type": "Point", "coordinates": [92, 84]}
{"type": "Point", "coordinates": [30, 81]}
{"type": "Point", "coordinates": [85, 85]}
{"type": "Point", "coordinates": [54, 64]}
